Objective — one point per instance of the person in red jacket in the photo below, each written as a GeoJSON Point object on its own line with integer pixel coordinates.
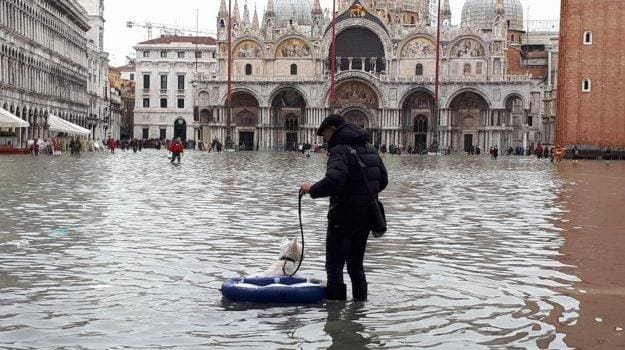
{"type": "Point", "coordinates": [176, 148]}
{"type": "Point", "coordinates": [112, 145]}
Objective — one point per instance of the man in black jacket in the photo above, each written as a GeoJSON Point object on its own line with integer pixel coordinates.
{"type": "Point", "coordinates": [348, 216]}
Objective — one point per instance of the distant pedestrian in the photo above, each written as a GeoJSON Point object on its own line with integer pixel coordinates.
{"type": "Point", "coordinates": [575, 154]}
{"type": "Point", "coordinates": [607, 155]}
{"type": "Point", "coordinates": [176, 148]}
{"type": "Point", "coordinates": [539, 151]}
{"type": "Point", "coordinates": [558, 153]}
{"type": "Point", "coordinates": [134, 144]}
{"type": "Point", "coordinates": [112, 145]}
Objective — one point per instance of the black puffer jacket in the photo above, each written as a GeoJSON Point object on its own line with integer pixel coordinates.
{"type": "Point", "coordinates": [343, 182]}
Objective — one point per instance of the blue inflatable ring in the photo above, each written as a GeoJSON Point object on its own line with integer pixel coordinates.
{"type": "Point", "coordinates": [284, 289]}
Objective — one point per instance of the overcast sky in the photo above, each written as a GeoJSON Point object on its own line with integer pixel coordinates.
{"type": "Point", "coordinates": [119, 40]}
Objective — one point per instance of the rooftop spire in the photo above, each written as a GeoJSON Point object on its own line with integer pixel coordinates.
{"type": "Point", "coordinates": [223, 11]}
{"type": "Point", "coordinates": [499, 9]}
{"type": "Point", "coordinates": [255, 20]}
{"type": "Point", "coordinates": [316, 10]}
{"type": "Point", "coordinates": [236, 16]}
{"type": "Point", "coordinates": [446, 14]}
{"type": "Point", "coordinates": [270, 12]}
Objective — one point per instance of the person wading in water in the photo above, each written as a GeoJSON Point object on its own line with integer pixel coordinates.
{"type": "Point", "coordinates": [176, 148]}
{"type": "Point", "coordinates": [348, 217]}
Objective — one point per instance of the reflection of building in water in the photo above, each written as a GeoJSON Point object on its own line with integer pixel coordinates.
{"type": "Point", "coordinates": [386, 59]}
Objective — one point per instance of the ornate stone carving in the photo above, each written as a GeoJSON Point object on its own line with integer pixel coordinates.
{"type": "Point", "coordinates": [356, 92]}
{"type": "Point", "coordinates": [248, 49]}
{"type": "Point", "coordinates": [356, 11]}
{"type": "Point", "coordinates": [419, 47]}
{"type": "Point", "coordinates": [467, 48]}
{"type": "Point", "coordinates": [316, 27]}
{"type": "Point", "coordinates": [203, 98]}
{"type": "Point", "coordinates": [269, 30]}
{"type": "Point", "coordinates": [293, 48]}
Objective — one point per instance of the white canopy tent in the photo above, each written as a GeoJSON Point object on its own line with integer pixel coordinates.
{"type": "Point", "coordinates": [9, 120]}
{"type": "Point", "coordinates": [62, 125]}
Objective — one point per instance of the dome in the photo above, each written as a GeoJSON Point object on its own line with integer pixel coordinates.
{"type": "Point", "coordinates": [299, 10]}
{"type": "Point", "coordinates": [481, 14]}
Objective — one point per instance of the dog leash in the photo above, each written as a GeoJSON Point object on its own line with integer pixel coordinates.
{"type": "Point", "coordinates": [301, 229]}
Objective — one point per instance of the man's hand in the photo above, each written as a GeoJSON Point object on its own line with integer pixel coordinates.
{"type": "Point", "coordinates": [305, 187]}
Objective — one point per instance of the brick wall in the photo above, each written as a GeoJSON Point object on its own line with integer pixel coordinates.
{"type": "Point", "coordinates": [515, 67]}
{"type": "Point", "coordinates": [595, 118]}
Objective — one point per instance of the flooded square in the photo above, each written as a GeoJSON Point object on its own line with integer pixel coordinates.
{"type": "Point", "coordinates": [104, 251]}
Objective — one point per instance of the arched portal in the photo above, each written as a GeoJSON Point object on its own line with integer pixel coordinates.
{"type": "Point", "coordinates": [288, 109]}
{"type": "Point", "coordinates": [418, 116]}
{"type": "Point", "coordinates": [359, 49]}
{"type": "Point", "coordinates": [180, 129]}
{"type": "Point", "coordinates": [514, 111]}
{"type": "Point", "coordinates": [358, 102]}
{"type": "Point", "coordinates": [357, 116]}
{"type": "Point", "coordinates": [469, 111]}
{"type": "Point", "coordinates": [514, 115]}
{"type": "Point", "coordinates": [245, 113]}
{"type": "Point", "coordinates": [291, 127]}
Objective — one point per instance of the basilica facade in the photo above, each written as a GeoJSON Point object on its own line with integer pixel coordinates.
{"type": "Point", "coordinates": [385, 76]}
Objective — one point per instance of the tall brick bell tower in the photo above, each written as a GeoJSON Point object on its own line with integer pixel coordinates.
{"type": "Point", "coordinates": [591, 82]}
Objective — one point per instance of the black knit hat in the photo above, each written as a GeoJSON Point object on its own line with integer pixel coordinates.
{"type": "Point", "coordinates": [334, 120]}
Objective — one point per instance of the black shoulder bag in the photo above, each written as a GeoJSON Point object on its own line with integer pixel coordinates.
{"type": "Point", "coordinates": [376, 209]}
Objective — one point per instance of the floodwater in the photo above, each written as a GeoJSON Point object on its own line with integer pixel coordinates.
{"type": "Point", "coordinates": [103, 251]}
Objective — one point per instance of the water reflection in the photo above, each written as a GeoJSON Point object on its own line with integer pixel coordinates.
{"type": "Point", "coordinates": [127, 250]}
{"type": "Point", "coordinates": [593, 198]}
{"type": "Point", "coordinates": [343, 327]}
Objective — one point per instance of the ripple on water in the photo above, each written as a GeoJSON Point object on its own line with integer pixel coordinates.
{"type": "Point", "coordinates": [125, 250]}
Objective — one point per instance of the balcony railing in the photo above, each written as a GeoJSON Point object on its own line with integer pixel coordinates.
{"type": "Point", "coordinates": [423, 79]}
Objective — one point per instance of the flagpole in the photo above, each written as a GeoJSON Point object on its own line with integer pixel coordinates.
{"type": "Point", "coordinates": [437, 79]}
{"type": "Point", "coordinates": [229, 95]}
{"type": "Point", "coordinates": [333, 59]}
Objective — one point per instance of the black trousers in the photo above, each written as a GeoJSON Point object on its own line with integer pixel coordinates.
{"type": "Point", "coordinates": [175, 155]}
{"type": "Point", "coordinates": [346, 245]}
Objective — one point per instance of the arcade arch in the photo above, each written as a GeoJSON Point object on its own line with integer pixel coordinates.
{"type": "Point", "coordinates": [288, 108]}
{"type": "Point", "coordinates": [469, 110]}
{"type": "Point", "coordinates": [417, 114]}
{"type": "Point", "coordinates": [359, 48]}
{"type": "Point", "coordinates": [245, 114]}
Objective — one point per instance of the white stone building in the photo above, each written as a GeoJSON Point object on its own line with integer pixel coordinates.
{"type": "Point", "coordinates": [164, 70]}
{"type": "Point", "coordinates": [97, 63]}
{"type": "Point", "coordinates": [43, 63]}
{"type": "Point", "coordinates": [385, 81]}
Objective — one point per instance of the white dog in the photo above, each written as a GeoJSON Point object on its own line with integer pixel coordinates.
{"type": "Point", "coordinates": [290, 254]}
